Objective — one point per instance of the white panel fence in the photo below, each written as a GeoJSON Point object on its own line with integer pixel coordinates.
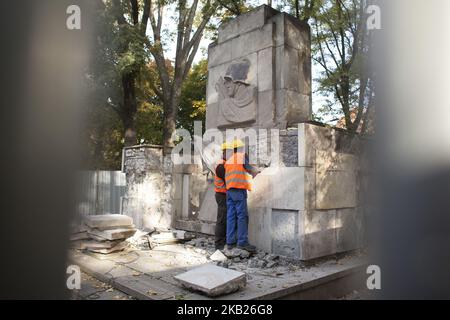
{"type": "Point", "coordinates": [100, 192]}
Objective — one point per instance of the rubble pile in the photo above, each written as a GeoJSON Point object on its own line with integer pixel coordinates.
{"type": "Point", "coordinates": [173, 236]}
{"type": "Point", "coordinates": [239, 258]}
{"type": "Point", "coordinates": [103, 233]}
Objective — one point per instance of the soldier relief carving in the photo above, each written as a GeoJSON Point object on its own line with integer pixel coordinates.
{"type": "Point", "coordinates": [237, 97]}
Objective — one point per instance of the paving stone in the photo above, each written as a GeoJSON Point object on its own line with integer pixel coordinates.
{"type": "Point", "coordinates": [213, 280]}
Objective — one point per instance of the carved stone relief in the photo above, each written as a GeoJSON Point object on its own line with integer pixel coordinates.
{"type": "Point", "coordinates": [237, 97]}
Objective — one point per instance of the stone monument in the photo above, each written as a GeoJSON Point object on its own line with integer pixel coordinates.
{"type": "Point", "coordinates": [307, 204]}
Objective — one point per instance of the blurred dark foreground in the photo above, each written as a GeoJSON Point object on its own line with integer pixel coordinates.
{"type": "Point", "coordinates": [42, 91]}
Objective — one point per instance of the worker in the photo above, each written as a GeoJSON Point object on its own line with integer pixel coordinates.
{"type": "Point", "coordinates": [238, 176]}
{"type": "Point", "coordinates": [221, 200]}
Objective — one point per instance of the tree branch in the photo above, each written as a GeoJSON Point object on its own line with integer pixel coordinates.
{"type": "Point", "coordinates": [134, 11]}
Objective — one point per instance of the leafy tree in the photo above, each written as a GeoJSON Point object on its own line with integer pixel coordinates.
{"type": "Point", "coordinates": [132, 34]}
{"type": "Point", "coordinates": [193, 97]}
{"type": "Point", "coordinates": [341, 47]}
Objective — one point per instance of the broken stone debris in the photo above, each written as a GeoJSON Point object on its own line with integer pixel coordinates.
{"type": "Point", "coordinates": [164, 237]}
{"type": "Point", "coordinates": [239, 257]}
{"type": "Point", "coordinates": [212, 280]}
{"type": "Point", "coordinates": [103, 233]}
{"type": "Point", "coordinates": [218, 256]}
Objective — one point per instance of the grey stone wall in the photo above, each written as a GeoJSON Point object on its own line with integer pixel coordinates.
{"type": "Point", "coordinates": [311, 205]}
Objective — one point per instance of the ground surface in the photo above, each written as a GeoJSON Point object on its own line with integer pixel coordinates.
{"type": "Point", "coordinates": [93, 289]}
{"type": "Point", "coordinates": [148, 274]}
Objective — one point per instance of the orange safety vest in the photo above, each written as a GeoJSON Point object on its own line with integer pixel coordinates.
{"type": "Point", "coordinates": [219, 183]}
{"type": "Point", "coordinates": [235, 174]}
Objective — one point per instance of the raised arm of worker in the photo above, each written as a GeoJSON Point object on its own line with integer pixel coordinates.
{"type": "Point", "coordinates": [249, 168]}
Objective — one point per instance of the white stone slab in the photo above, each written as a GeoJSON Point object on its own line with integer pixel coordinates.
{"type": "Point", "coordinates": [113, 234]}
{"type": "Point", "coordinates": [108, 220]}
{"type": "Point", "coordinates": [212, 280]}
{"type": "Point", "coordinates": [120, 246]}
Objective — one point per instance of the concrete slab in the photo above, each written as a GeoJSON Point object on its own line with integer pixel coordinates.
{"type": "Point", "coordinates": [118, 247]}
{"type": "Point", "coordinates": [213, 280]}
{"type": "Point", "coordinates": [113, 234]}
{"type": "Point", "coordinates": [218, 256]}
{"type": "Point", "coordinates": [92, 244]}
{"type": "Point", "coordinates": [108, 221]}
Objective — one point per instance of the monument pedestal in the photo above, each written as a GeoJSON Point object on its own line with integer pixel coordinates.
{"type": "Point", "coordinates": [311, 205]}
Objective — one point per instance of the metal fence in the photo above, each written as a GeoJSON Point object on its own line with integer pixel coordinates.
{"type": "Point", "coordinates": [100, 192]}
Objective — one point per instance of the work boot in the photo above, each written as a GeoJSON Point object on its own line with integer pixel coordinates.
{"type": "Point", "coordinates": [248, 248]}
{"type": "Point", "coordinates": [230, 246]}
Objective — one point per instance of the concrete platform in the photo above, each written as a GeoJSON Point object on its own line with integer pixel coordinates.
{"type": "Point", "coordinates": [150, 275]}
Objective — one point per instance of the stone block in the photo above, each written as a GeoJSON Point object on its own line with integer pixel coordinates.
{"type": "Point", "coordinates": [212, 280]}
{"type": "Point", "coordinates": [298, 107]}
{"type": "Point", "coordinates": [94, 244]}
{"type": "Point", "coordinates": [318, 233]}
{"type": "Point", "coordinates": [288, 188]}
{"type": "Point", "coordinates": [259, 228]}
{"type": "Point", "coordinates": [113, 234]}
{"type": "Point", "coordinates": [118, 247]}
{"type": "Point", "coordinates": [107, 221]}
{"type": "Point", "coordinates": [219, 54]}
{"type": "Point", "coordinates": [292, 107]}
{"type": "Point", "coordinates": [290, 69]}
{"type": "Point", "coordinates": [212, 115]}
{"type": "Point", "coordinates": [296, 33]}
{"type": "Point", "coordinates": [208, 208]}
{"type": "Point", "coordinates": [244, 23]}
{"type": "Point", "coordinates": [310, 188]}
{"type": "Point", "coordinates": [252, 42]}
{"type": "Point", "coordinates": [314, 137]}
{"type": "Point", "coordinates": [335, 189]}
{"type": "Point", "coordinates": [214, 73]}
{"type": "Point", "coordinates": [260, 196]}
{"type": "Point", "coordinates": [177, 186]}
{"type": "Point", "coordinates": [349, 229]}
{"type": "Point", "coordinates": [329, 160]}
{"type": "Point", "coordinates": [336, 185]}
{"type": "Point", "coordinates": [285, 237]}
{"type": "Point", "coordinates": [266, 109]}
{"type": "Point", "coordinates": [265, 71]}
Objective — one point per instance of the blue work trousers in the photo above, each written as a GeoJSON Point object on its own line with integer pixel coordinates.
{"type": "Point", "coordinates": [237, 217]}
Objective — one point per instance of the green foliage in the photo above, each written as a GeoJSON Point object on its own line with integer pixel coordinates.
{"type": "Point", "coordinates": [193, 97]}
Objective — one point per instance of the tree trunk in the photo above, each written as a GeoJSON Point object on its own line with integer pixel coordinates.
{"type": "Point", "coordinates": [129, 108]}
{"type": "Point", "coordinates": [170, 117]}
